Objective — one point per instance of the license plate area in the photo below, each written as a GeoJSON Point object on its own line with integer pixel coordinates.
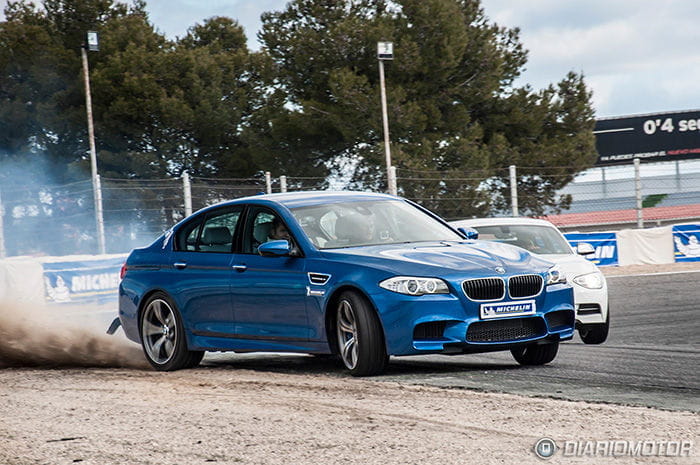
{"type": "Point", "coordinates": [505, 309]}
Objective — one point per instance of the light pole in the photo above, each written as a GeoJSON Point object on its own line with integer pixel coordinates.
{"type": "Point", "coordinates": [385, 51]}
{"type": "Point", "coordinates": [93, 46]}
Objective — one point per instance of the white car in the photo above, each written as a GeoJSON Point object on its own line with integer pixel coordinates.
{"type": "Point", "coordinates": [543, 238]}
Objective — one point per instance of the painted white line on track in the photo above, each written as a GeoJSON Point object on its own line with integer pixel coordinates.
{"type": "Point", "coordinates": [660, 273]}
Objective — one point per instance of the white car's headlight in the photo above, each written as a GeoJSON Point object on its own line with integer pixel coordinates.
{"type": "Point", "coordinates": [415, 286]}
{"type": "Point", "coordinates": [555, 276]}
{"type": "Point", "coordinates": [590, 280]}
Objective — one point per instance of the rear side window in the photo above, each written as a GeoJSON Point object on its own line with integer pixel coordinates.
{"type": "Point", "coordinates": [186, 239]}
{"type": "Point", "coordinates": [213, 234]}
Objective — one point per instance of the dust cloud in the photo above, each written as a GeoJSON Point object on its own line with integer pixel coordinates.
{"type": "Point", "coordinates": [38, 336]}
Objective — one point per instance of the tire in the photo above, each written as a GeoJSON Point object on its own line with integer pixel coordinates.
{"type": "Point", "coordinates": [163, 336]}
{"type": "Point", "coordinates": [595, 333]}
{"type": "Point", "coordinates": [535, 354]}
{"type": "Point", "coordinates": [359, 335]}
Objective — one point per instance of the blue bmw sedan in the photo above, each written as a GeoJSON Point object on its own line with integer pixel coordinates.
{"type": "Point", "coordinates": [360, 275]}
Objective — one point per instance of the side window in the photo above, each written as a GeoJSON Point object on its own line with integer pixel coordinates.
{"type": "Point", "coordinates": [217, 231]}
{"type": "Point", "coordinates": [186, 239]}
{"type": "Point", "coordinates": [264, 226]}
{"type": "Point", "coordinates": [191, 240]}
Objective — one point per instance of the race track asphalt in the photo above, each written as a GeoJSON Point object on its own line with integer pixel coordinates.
{"type": "Point", "coordinates": [651, 357]}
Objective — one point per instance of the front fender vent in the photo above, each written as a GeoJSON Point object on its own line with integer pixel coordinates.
{"type": "Point", "coordinates": [319, 279]}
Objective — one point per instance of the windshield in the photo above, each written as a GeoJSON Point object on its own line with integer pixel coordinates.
{"type": "Point", "coordinates": [353, 224]}
{"type": "Point", "coordinates": [536, 239]}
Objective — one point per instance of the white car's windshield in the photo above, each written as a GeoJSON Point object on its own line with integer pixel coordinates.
{"type": "Point", "coordinates": [360, 223]}
{"type": "Point", "coordinates": [536, 239]}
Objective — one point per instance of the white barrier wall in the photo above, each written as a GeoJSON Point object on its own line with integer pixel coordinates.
{"type": "Point", "coordinates": [75, 279]}
{"type": "Point", "coordinates": [653, 246]}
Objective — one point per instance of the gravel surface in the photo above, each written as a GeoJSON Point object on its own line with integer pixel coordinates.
{"type": "Point", "coordinates": [61, 403]}
{"type": "Point", "coordinates": [227, 415]}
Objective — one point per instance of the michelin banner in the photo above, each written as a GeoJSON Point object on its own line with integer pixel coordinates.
{"type": "Point", "coordinates": [686, 242]}
{"type": "Point", "coordinates": [605, 245]}
{"type": "Point", "coordinates": [84, 281]}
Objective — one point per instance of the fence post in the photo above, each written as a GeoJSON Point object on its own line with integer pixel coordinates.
{"type": "Point", "coordinates": [605, 182]}
{"type": "Point", "coordinates": [268, 182]}
{"type": "Point", "coordinates": [99, 216]}
{"type": "Point", "coordinates": [3, 251]}
{"type": "Point", "coordinates": [187, 192]}
{"type": "Point", "coordinates": [513, 190]}
{"type": "Point", "coordinates": [678, 176]}
{"type": "Point", "coordinates": [638, 193]}
{"type": "Point", "coordinates": [283, 183]}
{"type": "Point", "coordinates": [393, 188]}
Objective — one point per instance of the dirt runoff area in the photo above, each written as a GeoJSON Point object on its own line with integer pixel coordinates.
{"type": "Point", "coordinates": [69, 394]}
{"type": "Point", "coordinates": [221, 414]}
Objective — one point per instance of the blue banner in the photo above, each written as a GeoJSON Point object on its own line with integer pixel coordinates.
{"type": "Point", "coordinates": [87, 281]}
{"type": "Point", "coordinates": [605, 245]}
{"type": "Point", "coordinates": [686, 242]}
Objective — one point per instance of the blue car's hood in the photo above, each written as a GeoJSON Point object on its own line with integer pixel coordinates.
{"type": "Point", "coordinates": [473, 258]}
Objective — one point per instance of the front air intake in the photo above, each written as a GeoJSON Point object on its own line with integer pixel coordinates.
{"type": "Point", "coordinates": [514, 329]}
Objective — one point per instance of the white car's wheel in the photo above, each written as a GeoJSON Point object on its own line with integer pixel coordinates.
{"type": "Point", "coordinates": [595, 333]}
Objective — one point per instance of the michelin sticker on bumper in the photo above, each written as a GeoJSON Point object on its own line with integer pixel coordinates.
{"type": "Point", "coordinates": [504, 309]}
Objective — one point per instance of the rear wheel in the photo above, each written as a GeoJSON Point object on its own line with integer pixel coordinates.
{"type": "Point", "coordinates": [163, 336]}
{"type": "Point", "coordinates": [535, 354]}
{"type": "Point", "coordinates": [595, 333]}
{"type": "Point", "coordinates": [360, 336]}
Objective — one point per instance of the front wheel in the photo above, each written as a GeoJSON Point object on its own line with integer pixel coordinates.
{"type": "Point", "coordinates": [163, 336]}
{"type": "Point", "coordinates": [360, 336]}
{"type": "Point", "coordinates": [595, 333]}
{"type": "Point", "coordinates": [535, 354]}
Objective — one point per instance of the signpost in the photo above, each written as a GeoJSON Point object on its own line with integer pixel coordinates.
{"type": "Point", "coordinates": [93, 45]}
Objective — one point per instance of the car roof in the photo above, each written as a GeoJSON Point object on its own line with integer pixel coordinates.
{"type": "Point", "coordinates": [311, 198]}
{"type": "Point", "coordinates": [504, 221]}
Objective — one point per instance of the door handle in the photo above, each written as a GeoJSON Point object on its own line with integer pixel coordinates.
{"type": "Point", "coordinates": [180, 265]}
{"type": "Point", "coordinates": [240, 268]}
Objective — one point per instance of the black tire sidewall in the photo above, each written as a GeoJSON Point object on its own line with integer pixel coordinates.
{"type": "Point", "coordinates": [536, 354]}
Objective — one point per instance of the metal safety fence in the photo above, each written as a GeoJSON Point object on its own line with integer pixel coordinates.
{"type": "Point", "coordinates": [61, 219]}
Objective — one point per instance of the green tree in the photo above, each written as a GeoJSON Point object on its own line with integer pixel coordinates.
{"type": "Point", "coordinates": [42, 103]}
{"type": "Point", "coordinates": [160, 107]}
{"type": "Point", "coordinates": [457, 119]}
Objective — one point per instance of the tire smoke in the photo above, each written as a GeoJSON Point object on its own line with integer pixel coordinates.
{"type": "Point", "coordinates": [36, 336]}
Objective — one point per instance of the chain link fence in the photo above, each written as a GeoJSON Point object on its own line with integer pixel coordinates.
{"type": "Point", "coordinates": [61, 220]}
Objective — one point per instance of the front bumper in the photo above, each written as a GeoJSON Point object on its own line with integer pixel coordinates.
{"type": "Point", "coordinates": [451, 324]}
{"type": "Point", "coordinates": [591, 304]}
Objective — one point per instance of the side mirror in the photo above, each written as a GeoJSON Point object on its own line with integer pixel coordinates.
{"type": "Point", "coordinates": [469, 233]}
{"type": "Point", "coordinates": [275, 249]}
{"type": "Point", "coordinates": [584, 248]}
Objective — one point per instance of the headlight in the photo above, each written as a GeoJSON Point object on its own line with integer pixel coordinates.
{"type": "Point", "coordinates": [555, 276]}
{"type": "Point", "coordinates": [591, 280]}
{"type": "Point", "coordinates": [415, 286]}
